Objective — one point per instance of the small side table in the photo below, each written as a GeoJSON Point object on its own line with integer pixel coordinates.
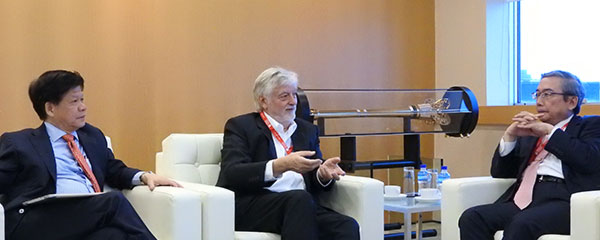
{"type": "Point", "coordinates": [401, 205]}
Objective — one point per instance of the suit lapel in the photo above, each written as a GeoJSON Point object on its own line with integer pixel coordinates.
{"type": "Point", "coordinates": [41, 142]}
{"type": "Point", "coordinates": [573, 129]}
{"type": "Point", "coordinates": [300, 142]}
{"type": "Point", "coordinates": [90, 146]}
{"type": "Point", "coordinates": [262, 127]}
{"type": "Point", "coordinates": [574, 126]}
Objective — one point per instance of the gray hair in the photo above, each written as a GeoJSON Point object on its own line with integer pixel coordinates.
{"type": "Point", "coordinates": [270, 79]}
{"type": "Point", "coordinates": [571, 86]}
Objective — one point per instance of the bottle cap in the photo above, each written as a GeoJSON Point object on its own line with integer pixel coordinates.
{"type": "Point", "coordinates": [444, 167]}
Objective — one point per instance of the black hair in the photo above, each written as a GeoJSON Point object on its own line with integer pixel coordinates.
{"type": "Point", "coordinates": [51, 87]}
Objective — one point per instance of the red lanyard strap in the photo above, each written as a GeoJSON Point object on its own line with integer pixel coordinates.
{"type": "Point", "coordinates": [276, 134]}
{"type": "Point", "coordinates": [540, 145]}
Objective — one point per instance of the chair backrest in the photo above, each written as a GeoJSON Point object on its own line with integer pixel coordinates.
{"type": "Point", "coordinates": [191, 157]}
{"type": "Point", "coordinates": [109, 143]}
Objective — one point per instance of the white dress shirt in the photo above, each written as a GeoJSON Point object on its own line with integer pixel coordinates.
{"type": "Point", "coordinates": [550, 165]}
{"type": "Point", "coordinates": [69, 175]}
{"type": "Point", "coordinates": [289, 180]}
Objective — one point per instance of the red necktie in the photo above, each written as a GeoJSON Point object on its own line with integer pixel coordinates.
{"type": "Point", "coordinates": [81, 161]}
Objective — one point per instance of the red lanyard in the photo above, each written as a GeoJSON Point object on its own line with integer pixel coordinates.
{"type": "Point", "coordinates": [276, 134]}
{"type": "Point", "coordinates": [539, 146]}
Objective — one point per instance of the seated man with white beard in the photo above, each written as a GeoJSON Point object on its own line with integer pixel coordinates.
{"type": "Point", "coordinates": [272, 161]}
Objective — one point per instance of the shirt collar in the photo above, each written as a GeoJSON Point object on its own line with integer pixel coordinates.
{"type": "Point", "coordinates": [563, 122]}
{"type": "Point", "coordinates": [279, 127]}
{"type": "Point", "coordinates": [56, 133]}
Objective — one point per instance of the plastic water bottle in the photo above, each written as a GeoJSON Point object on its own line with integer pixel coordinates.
{"type": "Point", "coordinates": [423, 178]}
{"type": "Point", "coordinates": [444, 174]}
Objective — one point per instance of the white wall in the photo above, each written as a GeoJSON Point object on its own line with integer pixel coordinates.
{"type": "Point", "coordinates": [462, 58]}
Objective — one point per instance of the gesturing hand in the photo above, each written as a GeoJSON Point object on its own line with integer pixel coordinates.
{"type": "Point", "coordinates": [296, 162]}
{"type": "Point", "coordinates": [330, 170]}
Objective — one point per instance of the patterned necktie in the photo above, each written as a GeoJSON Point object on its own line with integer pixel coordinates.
{"type": "Point", "coordinates": [524, 194]}
{"type": "Point", "coordinates": [81, 161]}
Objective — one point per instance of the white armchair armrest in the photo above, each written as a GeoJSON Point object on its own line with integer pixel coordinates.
{"type": "Point", "coordinates": [462, 193]}
{"type": "Point", "coordinates": [360, 198]}
{"type": "Point", "coordinates": [218, 210]}
{"type": "Point", "coordinates": [585, 215]}
{"type": "Point", "coordinates": [170, 213]}
{"type": "Point", "coordinates": [1, 222]}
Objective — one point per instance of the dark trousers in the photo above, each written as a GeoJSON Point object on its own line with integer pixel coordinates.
{"type": "Point", "coordinates": [294, 215]}
{"type": "Point", "coordinates": [547, 214]}
{"type": "Point", "coordinates": [106, 216]}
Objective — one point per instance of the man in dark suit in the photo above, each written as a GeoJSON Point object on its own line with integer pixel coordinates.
{"type": "Point", "coordinates": [67, 155]}
{"type": "Point", "coordinates": [553, 154]}
{"type": "Point", "coordinates": [272, 162]}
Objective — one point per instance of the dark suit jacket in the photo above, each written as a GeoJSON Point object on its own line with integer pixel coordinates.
{"type": "Point", "coordinates": [578, 148]}
{"type": "Point", "coordinates": [248, 146]}
{"type": "Point", "coordinates": [28, 167]}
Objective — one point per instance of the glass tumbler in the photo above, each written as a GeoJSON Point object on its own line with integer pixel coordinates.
{"type": "Point", "coordinates": [409, 181]}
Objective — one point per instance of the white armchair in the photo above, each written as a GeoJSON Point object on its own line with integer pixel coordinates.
{"type": "Point", "coordinates": [1, 222]}
{"type": "Point", "coordinates": [194, 160]}
{"type": "Point", "coordinates": [462, 193]}
{"type": "Point", "coordinates": [170, 213]}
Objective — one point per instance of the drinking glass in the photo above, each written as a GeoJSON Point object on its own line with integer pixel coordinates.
{"type": "Point", "coordinates": [409, 181]}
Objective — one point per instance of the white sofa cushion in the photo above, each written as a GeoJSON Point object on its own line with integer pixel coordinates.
{"type": "Point", "coordinates": [241, 235]}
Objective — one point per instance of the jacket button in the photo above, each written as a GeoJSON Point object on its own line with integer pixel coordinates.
{"type": "Point", "coordinates": [21, 211]}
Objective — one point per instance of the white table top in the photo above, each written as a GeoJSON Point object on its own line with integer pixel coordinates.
{"type": "Point", "coordinates": [401, 205]}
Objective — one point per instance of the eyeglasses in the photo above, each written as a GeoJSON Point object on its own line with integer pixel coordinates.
{"type": "Point", "coordinates": [546, 94]}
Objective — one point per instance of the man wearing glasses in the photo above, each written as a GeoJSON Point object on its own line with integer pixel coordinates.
{"type": "Point", "coordinates": [553, 154]}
